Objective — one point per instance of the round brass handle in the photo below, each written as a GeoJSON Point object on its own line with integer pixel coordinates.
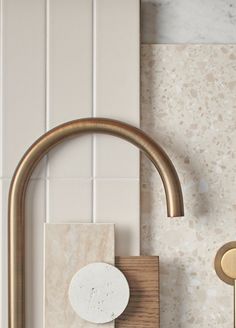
{"type": "Point", "coordinates": [225, 267]}
{"type": "Point", "coordinates": [225, 263]}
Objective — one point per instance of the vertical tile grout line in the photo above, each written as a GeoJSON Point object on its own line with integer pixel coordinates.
{"type": "Point", "coordinates": [46, 196]}
{"type": "Point", "coordinates": [1, 164]}
{"type": "Point", "coordinates": [139, 112]}
{"type": "Point", "coordinates": [4, 221]}
{"type": "Point", "coordinates": [1, 86]}
{"type": "Point", "coordinates": [47, 7]}
{"type": "Point", "coordinates": [1, 259]}
{"type": "Point", "coordinates": [94, 39]}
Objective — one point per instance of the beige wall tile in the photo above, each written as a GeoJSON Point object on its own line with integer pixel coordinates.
{"type": "Point", "coordinates": [69, 81]}
{"type": "Point", "coordinates": [23, 80]}
{"type": "Point", "coordinates": [117, 201]}
{"type": "Point", "coordinates": [70, 200]}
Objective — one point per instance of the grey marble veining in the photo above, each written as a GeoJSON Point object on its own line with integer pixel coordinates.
{"type": "Point", "coordinates": [188, 21]}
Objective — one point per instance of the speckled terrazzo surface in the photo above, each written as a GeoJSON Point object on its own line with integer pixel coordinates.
{"type": "Point", "coordinates": [189, 107]}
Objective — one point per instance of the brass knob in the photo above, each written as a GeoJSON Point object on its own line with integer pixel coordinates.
{"type": "Point", "coordinates": [225, 266]}
{"type": "Point", "coordinates": [225, 263]}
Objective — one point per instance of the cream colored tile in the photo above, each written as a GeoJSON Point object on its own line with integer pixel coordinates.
{"type": "Point", "coordinates": [117, 70]}
{"type": "Point", "coordinates": [71, 159]}
{"type": "Point", "coordinates": [35, 218]}
{"type": "Point", "coordinates": [117, 201]}
{"type": "Point", "coordinates": [117, 81]}
{"type": "Point", "coordinates": [69, 247]}
{"type": "Point", "coordinates": [34, 221]}
{"type": "Point", "coordinates": [1, 256]}
{"type": "Point", "coordinates": [116, 158]}
{"type": "Point", "coordinates": [70, 81]}
{"type": "Point", "coordinates": [5, 183]}
{"type": "Point", "coordinates": [23, 111]}
{"type": "Point", "coordinates": [69, 200]}
{"type": "Point", "coordinates": [23, 80]}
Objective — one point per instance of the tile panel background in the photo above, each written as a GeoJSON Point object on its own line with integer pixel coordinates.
{"type": "Point", "coordinates": [53, 56]}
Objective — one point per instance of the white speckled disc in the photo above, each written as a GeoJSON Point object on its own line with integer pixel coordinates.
{"type": "Point", "coordinates": [99, 292]}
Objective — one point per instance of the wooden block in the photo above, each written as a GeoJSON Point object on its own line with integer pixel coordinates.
{"type": "Point", "coordinates": [69, 247]}
{"type": "Point", "coordinates": [142, 273]}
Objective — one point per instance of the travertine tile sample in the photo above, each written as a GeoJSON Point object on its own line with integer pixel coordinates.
{"type": "Point", "coordinates": [69, 247]}
{"type": "Point", "coordinates": [189, 107]}
{"type": "Point", "coordinates": [186, 21]}
{"type": "Point", "coordinates": [99, 292]}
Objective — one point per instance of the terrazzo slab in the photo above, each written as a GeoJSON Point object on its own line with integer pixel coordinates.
{"type": "Point", "coordinates": [68, 248]}
{"type": "Point", "coordinates": [186, 21]}
{"type": "Point", "coordinates": [189, 107]}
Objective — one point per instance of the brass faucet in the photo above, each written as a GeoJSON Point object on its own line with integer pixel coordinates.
{"type": "Point", "coordinates": [16, 206]}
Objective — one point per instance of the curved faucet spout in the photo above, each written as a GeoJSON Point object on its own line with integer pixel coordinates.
{"type": "Point", "coordinates": [16, 206]}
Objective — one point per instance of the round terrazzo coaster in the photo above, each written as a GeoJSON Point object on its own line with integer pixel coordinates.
{"type": "Point", "coordinates": [99, 292]}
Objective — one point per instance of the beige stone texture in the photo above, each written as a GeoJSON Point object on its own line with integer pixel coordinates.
{"type": "Point", "coordinates": [69, 247]}
{"type": "Point", "coordinates": [189, 107]}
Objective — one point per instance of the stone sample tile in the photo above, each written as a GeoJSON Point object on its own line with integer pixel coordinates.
{"type": "Point", "coordinates": [186, 21]}
{"type": "Point", "coordinates": [189, 107]}
{"type": "Point", "coordinates": [99, 292]}
{"type": "Point", "coordinates": [69, 247]}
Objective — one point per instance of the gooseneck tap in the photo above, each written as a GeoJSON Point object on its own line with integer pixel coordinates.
{"type": "Point", "coordinates": [16, 207]}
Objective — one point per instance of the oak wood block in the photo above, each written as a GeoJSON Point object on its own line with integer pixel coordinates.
{"type": "Point", "coordinates": [143, 310]}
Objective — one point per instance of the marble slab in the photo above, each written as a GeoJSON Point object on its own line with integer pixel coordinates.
{"type": "Point", "coordinates": [69, 247]}
{"type": "Point", "coordinates": [186, 21]}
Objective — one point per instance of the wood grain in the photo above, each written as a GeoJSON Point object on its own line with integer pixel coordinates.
{"type": "Point", "coordinates": [142, 273]}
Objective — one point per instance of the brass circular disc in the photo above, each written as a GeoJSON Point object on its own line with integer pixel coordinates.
{"type": "Point", "coordinates": [225, 263]}
{"type": "Point", "coordinates": [228, 263]}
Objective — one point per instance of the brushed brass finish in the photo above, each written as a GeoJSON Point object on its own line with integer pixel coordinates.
{"type": "Point", "coordinates": [225, 266]}
{"type": "Point", "coordinates": [228, 263]}
{"type": "Point", "coordinates": [16, 205]}
{"type": "Point", "coordinates": [225, 263]}
{"type": "Point", "coordinates": [235, 303]}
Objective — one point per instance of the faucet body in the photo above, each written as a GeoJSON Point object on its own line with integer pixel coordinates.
{"type": "Point", "coordinates": [24, 170]}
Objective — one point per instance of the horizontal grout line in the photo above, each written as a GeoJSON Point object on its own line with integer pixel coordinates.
{"type": "Point", "coordinates": [116, 179]}
{"type": "Point", "coordinates": [187, 44]}
{"type": "Point", "coordinates": [93, 179]}
{"type": "Point", "coordinates": [76, 178]}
